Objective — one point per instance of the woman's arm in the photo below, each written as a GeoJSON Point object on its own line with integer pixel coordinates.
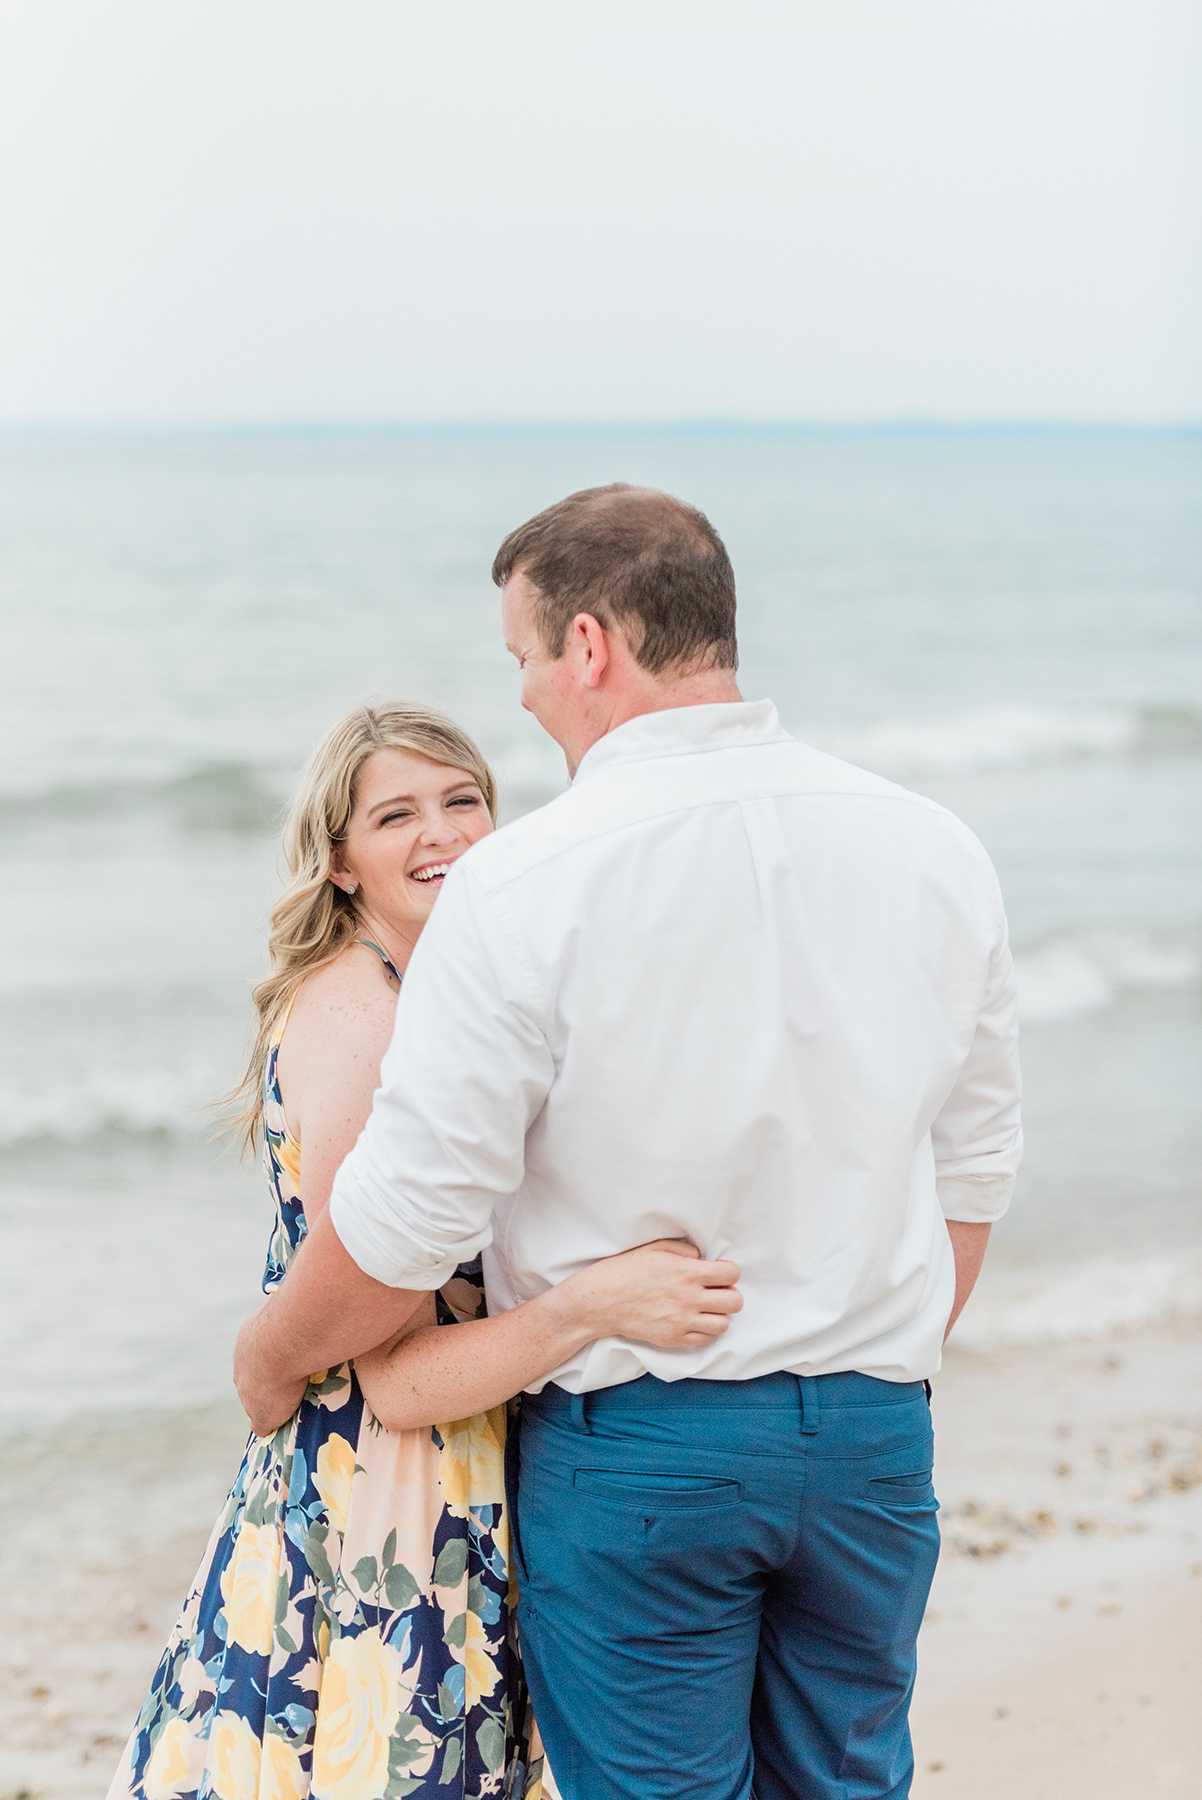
{"type": "Point", "coordinates": [329, 1066]}
{"type": "Point", "coordinates": [660, 1294]}
{"type": "Point", "coordinates": [328, 1069]}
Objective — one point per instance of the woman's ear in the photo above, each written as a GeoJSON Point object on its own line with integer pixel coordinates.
{"type": "Point", "coordinates": [340, 875]}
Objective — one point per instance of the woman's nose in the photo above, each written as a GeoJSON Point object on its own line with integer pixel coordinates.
{"type": "Point", "coordinates": [438, 828]}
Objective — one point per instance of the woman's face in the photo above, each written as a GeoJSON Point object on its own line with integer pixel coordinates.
{"type": "Point", "coordinates": [413, 818]}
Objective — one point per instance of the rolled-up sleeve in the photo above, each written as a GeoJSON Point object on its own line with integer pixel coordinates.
{"type": "Point", "coordinates": [466, 1074]}
{"type": "Point", "coordinates": [977, 1136]}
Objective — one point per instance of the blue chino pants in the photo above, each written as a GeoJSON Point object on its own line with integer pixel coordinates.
{"type": "Point", "coordinates": [722, 1582]}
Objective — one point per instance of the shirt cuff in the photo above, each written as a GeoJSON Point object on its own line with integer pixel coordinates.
{"type": "Point", "coordinates": [974, 1199]}
{"type": "Point", "coordinates": [382, 1254]}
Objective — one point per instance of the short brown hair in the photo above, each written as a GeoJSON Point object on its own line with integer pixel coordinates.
{"type": "Point", "coordinates": [635, 558]}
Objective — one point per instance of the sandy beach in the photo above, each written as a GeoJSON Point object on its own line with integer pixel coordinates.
{"type": "Point", "coordinates": [1061, 1657]}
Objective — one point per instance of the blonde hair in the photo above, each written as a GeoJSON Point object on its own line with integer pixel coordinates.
{"type": "Point", "coordinates": [314, 920]}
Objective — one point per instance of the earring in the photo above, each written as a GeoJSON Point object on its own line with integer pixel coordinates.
{"type": "Point", "coordinates": [350, 887]}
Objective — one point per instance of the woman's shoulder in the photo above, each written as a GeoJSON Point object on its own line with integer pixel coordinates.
{"type": "Point", "coordinates": [352, 989]}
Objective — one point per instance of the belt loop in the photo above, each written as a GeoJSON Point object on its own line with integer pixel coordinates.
{"type": "Point", "coordinates": [808, 1389]}
{"type": "Point", "coordinates": [580, 1414]}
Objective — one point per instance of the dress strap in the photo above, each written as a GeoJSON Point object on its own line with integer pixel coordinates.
{"type": "Point", "coordinates": [281, 1024]}
{"type": "Point", "coordinates": [392, 969]}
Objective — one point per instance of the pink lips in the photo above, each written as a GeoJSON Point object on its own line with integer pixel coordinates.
{"type": "Point", "coordinates": [441, 863]}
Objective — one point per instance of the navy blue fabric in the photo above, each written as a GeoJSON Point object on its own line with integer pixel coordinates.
{"type": "Point", "coordinates": [722, 1583]}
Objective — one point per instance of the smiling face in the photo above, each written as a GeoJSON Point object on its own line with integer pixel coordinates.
{"type": "Point", "coordinates": [413, 818]}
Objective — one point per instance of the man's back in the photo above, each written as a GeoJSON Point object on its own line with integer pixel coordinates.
{"type": "Point", "coordinates": [726, 988]}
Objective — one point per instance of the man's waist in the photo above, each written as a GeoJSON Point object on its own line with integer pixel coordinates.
{"type": "Point", "coordinates": [847, 1387]}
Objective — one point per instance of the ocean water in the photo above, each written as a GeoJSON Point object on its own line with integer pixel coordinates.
{"type": "Point", "coordinates": [1008, 621]}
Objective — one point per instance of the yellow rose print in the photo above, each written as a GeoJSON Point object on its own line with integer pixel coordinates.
{"type": "Point", "coordinates": [167, 1772]}
{"type": "Point", "coordinates": [471, 1469]}
{"type": "Point", "coordinates": [289, 1154]}
{"type": "Point", "coordinates": [352, 1562]}
{"type": "Point", "coordinates": [234, 1755]}
{"type": "Point", "coordinates": [481, 1674]}
{"type": "Point", "coordinates": [333, 1477]}
{"type": "Point", "coordinates": [358, 1714]}
{"type": "Point", "coordinates": [455, 1467]}
{"type": "Point", "coordinates": [248, 1584]}
{"type": "Point", "coordinates": [282, 1778]}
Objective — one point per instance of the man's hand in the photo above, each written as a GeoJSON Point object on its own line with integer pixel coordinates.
{"type": "Point", "coordinates": [266, 1403]}
{"type": "Point", "coordinates": [325, 1311]}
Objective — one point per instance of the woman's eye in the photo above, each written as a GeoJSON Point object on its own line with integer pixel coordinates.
{"type": "Point", "coordinates": [392, 817]}
{"type": "Point", "coordinates": [468, 800]}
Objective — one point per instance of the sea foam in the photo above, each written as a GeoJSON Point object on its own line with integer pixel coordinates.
{"type": "Point", "coordinates": [1006, 737]}
{"type": "Point", "coordinates": [1086, 971]}
{"type": "Point", "coordinates": [1089, 1300]}
{"type": "Point", "coordinates": [146, 1103]}
{"type": "Point", "coordinates": [244, 796]}
{"type": "Point", "coordinates": [989, 737]}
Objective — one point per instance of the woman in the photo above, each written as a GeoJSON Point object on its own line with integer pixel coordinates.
{"type": "Point", "coordinates": [348, 1634]}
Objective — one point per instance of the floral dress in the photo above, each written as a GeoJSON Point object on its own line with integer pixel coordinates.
{"type": "Point", "coordinates": [349, 1635]}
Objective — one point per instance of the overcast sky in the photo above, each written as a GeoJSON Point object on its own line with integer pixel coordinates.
{"type": "Point", "coordinates": [273, 210]}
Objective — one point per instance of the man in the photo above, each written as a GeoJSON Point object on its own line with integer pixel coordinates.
{"type": "Point", "coordinates": [730, 989]}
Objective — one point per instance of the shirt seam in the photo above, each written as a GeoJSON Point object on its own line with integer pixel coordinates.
{"type": "Point", "coordinates": [513, 938]}
{"type": "Point", "coordinates": [903, 797]}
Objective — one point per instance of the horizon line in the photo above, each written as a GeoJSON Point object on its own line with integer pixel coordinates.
{"type": "Point", "coordinates": [541, 425]}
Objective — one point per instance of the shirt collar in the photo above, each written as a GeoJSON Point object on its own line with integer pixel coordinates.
{"type": "Point", "coordinates": [685, 730]}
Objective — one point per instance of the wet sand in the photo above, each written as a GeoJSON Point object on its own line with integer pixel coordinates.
{"type": "Point", "coordinates": [1061, 1657]}
{"type": "Point", "coordinates": [101, 1532]}
{"type": "Point", "coordinates": [1114, 1715]}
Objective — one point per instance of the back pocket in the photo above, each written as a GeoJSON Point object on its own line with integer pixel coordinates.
{"type": "Point", "coordinates": [657, 1493]}
{"type": "Point", "coordinates": [903, 1490]}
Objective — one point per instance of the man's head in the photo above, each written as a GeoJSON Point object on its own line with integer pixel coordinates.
{"type": "Point", "coordinates": [617, 601]}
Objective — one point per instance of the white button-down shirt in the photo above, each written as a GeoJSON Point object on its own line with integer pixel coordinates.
{"type": "Point", "coordinates": [728, 988]}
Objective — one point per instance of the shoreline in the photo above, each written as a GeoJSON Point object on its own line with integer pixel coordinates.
{"type": "Point", "coordinates": [1070, 1480]}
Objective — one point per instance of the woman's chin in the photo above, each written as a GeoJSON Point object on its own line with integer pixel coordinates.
{"type": "Point", "coordinates": [421, 895]}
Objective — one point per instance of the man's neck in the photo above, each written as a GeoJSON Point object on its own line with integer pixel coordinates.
{"type": "Point", "coordinates": [706, 687]}
{"type": "Point", "coordinates": [703, 687]}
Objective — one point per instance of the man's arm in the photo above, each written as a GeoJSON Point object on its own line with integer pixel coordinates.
{"type": "Point", "coordinates": [467, 1071]}
{"type": "Point", "coordinates": [977, 1136]}
{"type": "Point", "coordinates": [326, 1311]}
{"type": "Point", "coordinates": [969, 1243]}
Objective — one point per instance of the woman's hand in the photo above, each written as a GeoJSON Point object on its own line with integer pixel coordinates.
{"type": "Point", "coordinates": [662, 1294]}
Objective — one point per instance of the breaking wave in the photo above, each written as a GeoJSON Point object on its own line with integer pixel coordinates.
{"type": "Point", "coordinates": [1003, 737]}
{"type": "Point", "coordinates": [1088, 970]}
{"type": "Point", "coordinates": [150, 1104]}
{"type": "Point", "coordinates": [231, 796]}
{"type": "Point", "coordinates": [1087, 1301]}
{"type": "Point", "coordinates": [967, 743]}
{"type": "Point", "coordinates": [241, 796]}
